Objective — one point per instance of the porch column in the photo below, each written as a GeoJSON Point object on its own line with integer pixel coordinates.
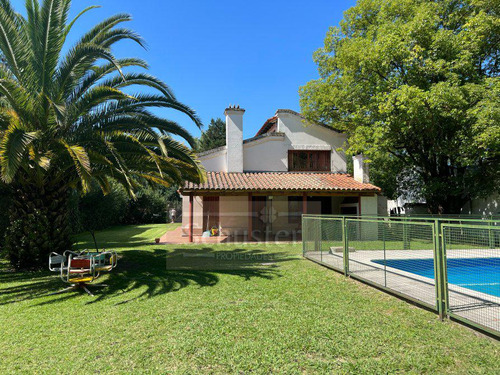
{"type": "Point", "coordinates": [190, 217]}
{"type": "Point", "coordinates": [250, 217]}
{"type": "Point", "coordinates": [304, 203]}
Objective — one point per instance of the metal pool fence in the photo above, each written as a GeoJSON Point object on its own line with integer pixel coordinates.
{"type": "Point", "coordinates": [450, 267]}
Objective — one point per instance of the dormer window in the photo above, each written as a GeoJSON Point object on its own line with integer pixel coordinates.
{"type": "Point", "coordinates": [309, 161]}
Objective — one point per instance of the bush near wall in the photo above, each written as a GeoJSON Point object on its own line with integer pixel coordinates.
{"type": "Point", "coordinates": [152, 205]}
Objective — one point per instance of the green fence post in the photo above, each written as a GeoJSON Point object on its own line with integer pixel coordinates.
{"type": "Point", "coordinates": [304, 236]}
{"type": "Point", "coordinates": [491, 236]}
{"type": "Point", "coordinates": [345, 240]}
{"type": "Point", "coordinates": [440, 270]}
{"type": "Point", "coordinates": [385, 254]}
{"type": "Point", "coordinates": [444, 273]}
{"type": "Point", "coordinates": [317, 237]}
{"type": "Point", "coordinates": [437, 271]}
{"type": "Point", "coordinates": [406, 245]}
{"type": "Point", "coordinates": [320, 243]}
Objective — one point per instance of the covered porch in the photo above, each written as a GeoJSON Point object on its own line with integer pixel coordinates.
{"type": "Point", "coordinates": [265, 216]}
{"type": "Point", "coordinates": [269, 206]}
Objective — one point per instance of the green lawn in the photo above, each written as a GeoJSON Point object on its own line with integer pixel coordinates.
{"type": "Point", "coordinates": [123, 236]}
{"type": "Point", "coordinates": [224, 309]}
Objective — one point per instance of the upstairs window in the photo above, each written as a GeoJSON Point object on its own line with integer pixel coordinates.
{"type": "Point", "coordinates": [309, 161]}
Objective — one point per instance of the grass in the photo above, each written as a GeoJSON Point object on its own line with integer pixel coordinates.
{"type": "Point", "coordinates": [123, 236]}
{"type": "Point", "coordinates": [224, 309]}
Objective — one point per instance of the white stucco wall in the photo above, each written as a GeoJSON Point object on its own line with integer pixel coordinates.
{"type": "Point", "coordinates": [302, 136]}
{"type": "Point", "coordinates": [360, 169]}
{"type": "Point", "coordinates": [266, 154]}
{"type": "Point", "coordinates": [270, 153]}
{"type": "Point", "coordinates": [234, 139]}
{"type": "Point", "coordinates": [214, 161]}
{"type": "Point", "coordinates": [369, 205]}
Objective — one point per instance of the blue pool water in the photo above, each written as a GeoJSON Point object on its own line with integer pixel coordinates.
{"type": "Point", "coordinates": [480, 274]}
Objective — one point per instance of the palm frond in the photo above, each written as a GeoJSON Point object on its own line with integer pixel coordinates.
{"type": "Point", "coordinates": [13, 148]}
{"type": "Point", "coordinates": [96, 96]}
{"type": "Point", "coordinates": [77, 62]}
{"type": "Point", "coordinates": [148, 100]}
{"type": "Point", "coordinates": [68, 28]}
{"type": "Point", "coordinates": [66, 119]}
{"type": "Point", "coordinates": [82, 163]}
{"type": "Point", "coordinates": [142, 79]}
{"type": "Point", "coordinates": [9, 38]}
{"type": "Point", "coordinates": [50, 43]}
{"type": "Point", "coordinates": [106, 39]}
{"type": "Point", "coordinates": [104, 26]}
{"type": "Point", "coordinates": [96, 73]}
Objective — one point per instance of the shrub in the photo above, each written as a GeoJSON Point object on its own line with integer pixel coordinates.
{"type": "Point", "coordinates": [151, 205]}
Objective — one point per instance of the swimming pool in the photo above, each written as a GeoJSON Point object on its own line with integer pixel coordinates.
{"type": "Point", "coordinates": [479, 274]}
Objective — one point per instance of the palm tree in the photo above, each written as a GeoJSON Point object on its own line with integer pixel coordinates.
{"type": "Point", "coordinates": [65, 121]}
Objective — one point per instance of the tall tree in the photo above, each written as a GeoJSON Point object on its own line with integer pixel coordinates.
{"type": "Point", "coordinates": [214, 136]}
{"type": "Point", "coordinates": [65, 121]}
{"type": "Point", "coordinates": [415, 84]}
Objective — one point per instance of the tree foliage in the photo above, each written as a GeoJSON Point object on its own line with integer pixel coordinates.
{"type": "Point", "coordinates": [213, 137]}
{"type": "Point", "coordinates": [151, 205]}
{"type": "Point", "coordinates": [70, 116]}
{"type": "Point", "coordinates": [415, 84]}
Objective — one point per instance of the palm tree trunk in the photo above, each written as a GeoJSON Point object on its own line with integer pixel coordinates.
{"type": "Point", "coordinates": [39, 225]}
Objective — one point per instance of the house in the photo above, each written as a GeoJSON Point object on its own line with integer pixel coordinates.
{"type": "Point", "coordinates": [259, 187]}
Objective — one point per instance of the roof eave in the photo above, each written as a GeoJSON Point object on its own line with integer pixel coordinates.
{"type": "Point", "coordinates": [186, 191]}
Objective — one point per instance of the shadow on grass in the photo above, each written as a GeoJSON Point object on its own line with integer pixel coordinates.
{"type": "Point", "coordinates": [147, 274]}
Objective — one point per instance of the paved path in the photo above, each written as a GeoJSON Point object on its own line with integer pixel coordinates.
{"type": "Point", "coordinates": [175, 237]}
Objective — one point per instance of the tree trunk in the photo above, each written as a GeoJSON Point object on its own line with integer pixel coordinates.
{"type": "Point", "coordinates": [92, 232]}
{"type": "Point", "coordinates": [39, 225]}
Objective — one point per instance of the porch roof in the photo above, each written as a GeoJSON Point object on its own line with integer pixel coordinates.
{"type": "Point", "coordinates": [280, 181]}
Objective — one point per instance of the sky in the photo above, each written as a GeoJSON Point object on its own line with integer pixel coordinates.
{"type": "Point", "coordinates": [214, 53]}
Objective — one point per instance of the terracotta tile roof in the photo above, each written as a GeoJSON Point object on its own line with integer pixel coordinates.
{"type": "Point", "coordinates": [267, 125]}
{"type": "Point", "coordinates": [276, 181]}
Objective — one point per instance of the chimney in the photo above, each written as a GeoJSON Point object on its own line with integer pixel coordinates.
{"type": "Point", "coordinates": [361, 173]}
{"type": "Point", "coordinates": [234, 138]}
